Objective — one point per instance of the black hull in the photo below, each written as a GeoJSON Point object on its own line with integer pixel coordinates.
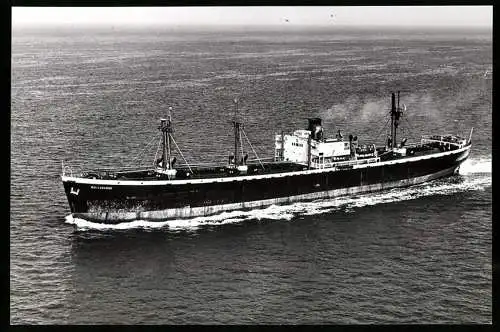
{"type": "Point", "coordinates": [110, 203]}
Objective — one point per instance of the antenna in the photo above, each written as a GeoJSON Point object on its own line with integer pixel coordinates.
{"type": "Point", "coordinates": [235, 108]}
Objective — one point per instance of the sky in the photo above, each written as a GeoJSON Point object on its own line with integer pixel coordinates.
{"type": "Point", "coordinates": [474, 16]}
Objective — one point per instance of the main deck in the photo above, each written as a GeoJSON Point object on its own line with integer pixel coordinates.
{"type": "Point", "coordinates": [435, 145]}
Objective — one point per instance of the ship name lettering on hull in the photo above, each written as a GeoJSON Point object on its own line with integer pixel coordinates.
{"type": "Point", "coordinates": [101, 187]}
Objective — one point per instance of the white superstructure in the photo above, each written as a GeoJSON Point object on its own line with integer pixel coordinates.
{"type": "Point", "coordinates": [309, 147]}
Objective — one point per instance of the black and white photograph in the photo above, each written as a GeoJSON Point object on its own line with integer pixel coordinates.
{"type": "Point", "coordinates": [251, 165]}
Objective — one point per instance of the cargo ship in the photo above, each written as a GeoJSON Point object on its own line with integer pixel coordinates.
{"type": "Point", "coordinates": [306, 166]}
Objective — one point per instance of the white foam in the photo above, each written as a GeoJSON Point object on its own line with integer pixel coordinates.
{"type": "Point", "coordinates": [471, 166]}
{"type": "Point", "coordinates": [474, 177]}
{"type": "Point", "coordinates": [83, 224]}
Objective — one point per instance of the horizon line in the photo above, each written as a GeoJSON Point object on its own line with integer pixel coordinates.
{"type": "Point", "coordinates": [245, 25]}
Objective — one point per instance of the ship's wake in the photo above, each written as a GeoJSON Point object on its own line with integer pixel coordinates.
{"type": "Point", "coordinates": [474, 175]}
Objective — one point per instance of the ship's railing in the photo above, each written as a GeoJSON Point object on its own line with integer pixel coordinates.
{"type": "Point", "coordinates": [449, 139]}
{"type": "Point", "coordinates": [121, 169]}
{"type": "Point", "coordinates": [341, 164]}
{"type": "Point", "coordinates": [78, 171]}
{"type": "Point", "coordinates": [107, 171]}
{"type": "Point", "coordinates": [218, 164]}
{"type": "Point", "coordinates": [65, 168]}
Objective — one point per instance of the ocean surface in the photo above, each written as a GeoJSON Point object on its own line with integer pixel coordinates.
{"type": "Point", "coordinates": [93, 97]}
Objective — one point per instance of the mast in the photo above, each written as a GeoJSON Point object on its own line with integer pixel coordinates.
{"type": "Point", "coordinates": [396, 123]}
{"type": "Point", "coordinates": [169, 131]}
{"type": "Point", "coordinates": [309, 139]}
{"type": "Point", "coordinates": [393, 111]}
{"type": "Point", "coordinates": [395, 116]}
{"type": "Point", "coordinates": [237, 134]}
{"type": "Point", "coordinates": [282, 155]}
{"type": "Point", "coordinates": [166, 129]}
{"type": "Point", "coordinates": [163, 125]}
